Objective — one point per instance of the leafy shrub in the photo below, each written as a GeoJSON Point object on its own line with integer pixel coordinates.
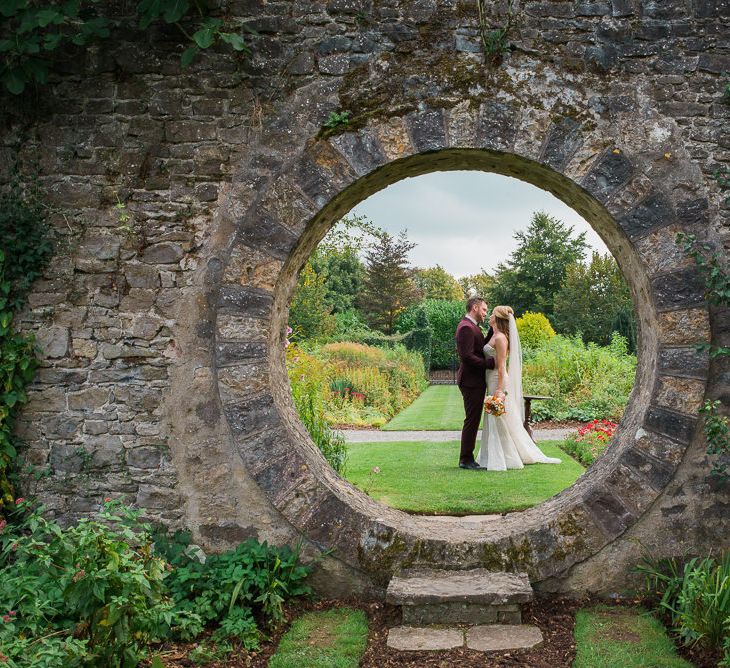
{"type": "Point", "coordinates": [235, 588]}
{"type": "Point", "coordinates": [695, 598]}
{"type": "Point", "coordinates": [96, 588]}
{"type": "Point", "coordinates": [587, 382]}
{"type": "Point", "coordinates": [590, 442]}
{"type": "Point", "coordinates": [385, 380]}
{"type": "Point", "coordinates": [442, 316]}
{"type": "Point", "coordinates": [24, 251]}
{"type": "Point", "coordinates": [310, 381]}
{"type": "Point", "coordinates": [534, 329]}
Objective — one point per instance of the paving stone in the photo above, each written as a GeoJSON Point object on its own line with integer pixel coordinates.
{"type": "Point", "coordinates": [500, 637]}
{"type": "Point", "coordinates": [414, 639]}
{"type": "Point", "coordinates": [472, 586]}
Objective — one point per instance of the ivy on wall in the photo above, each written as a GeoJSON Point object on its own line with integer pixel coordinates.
{"type": "Point", "coordinates": [24, 250]}
{"type": "Point", "coordinates": [713, 266]}
{"type": "Point", "coordinates": [34, 34]}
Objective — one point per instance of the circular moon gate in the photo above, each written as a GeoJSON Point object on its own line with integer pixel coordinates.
{"type": "Point", "coordinates": [637, 216]}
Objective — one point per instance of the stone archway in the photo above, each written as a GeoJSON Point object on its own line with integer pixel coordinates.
{"type": "Point", "coordinates": [636, 196]}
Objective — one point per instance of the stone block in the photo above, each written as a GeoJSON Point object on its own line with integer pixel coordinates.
{"type": "Point", "coordinates": [84, 348]}
{"type": "Point", "coordinates": [679, 289]}
{"type": "Point", "coordinates": [684, 362]}
{"type": "Point", "coordinates": [394, 139]}
{"type": "Point", "coordinates": [497, 125]}
{"type": "Point", "coordinates": [684, 395]}
{"type": "Point", "coordinates": [322, 173]}
{"type": "Point", "coordinates": [337, 64]}
{"type": "Point", "coordinates": [189, 131]}
{"type": "Point", "coordinates": [251, 415]}
{"type": "Point", "coordinates": [53, 341]}
{"type": "Point", "coordinates": [269, 234]}
{"type": "Point", "coordinates": [234, 353]}
{"type": "Point", "coordinates": [501, 638]}
{"type": "Point", "coordinates": [609, 172]}
{"type": "Point", "coordinates": [427, 129]}
{"type": "Point", "coordinates": [477, 586]}
{"type": "Point", "coordinates": [362, 150]}
{"type": "Point", "coordinates": [67, 458]}
{"type": "Point", "coordinates": [413, 639]}
{"type": "Point", "coordinates": [563, 140]}
{"type": "Point", "coordinates": [106, 450]}
{"type": "Point", "coordinates": [675, 425]}
{"type": "Point", "coordinates": [655, 211]}
{"type": "Point", "coordinates": [303, 63]}
{"type": "Point", "coordinates": [251, 302]}
{"type": "Point", "coordinates": [97, 253]}
{"type": "Point", "coordinates": [61, 427]}
{"type": "Point", "coordinates": [449, 613]}
{"type": "Point", "coordinates": [660, 251]}
{"type": "Point", "coordinates": [151, 497]}
{"type": "Point", "coordinates": [608, 511]}
{"type": "Point", "coordinates": [144, 457]}
{"type": "Point", "coordinates": [242, 381]}
{"type": "Point", "coordinates": [165, 252]}
{"type": "Point", "coordinates": [90, 399]}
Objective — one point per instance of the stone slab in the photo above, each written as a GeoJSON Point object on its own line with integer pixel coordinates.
{"type": "Point", "coordinates": [414, 639]}
{"type": "Point", "coordinates": [477, 586]}
{"type": "Point", "coordinates": [500, 637]}
{"type": "Point", "coordinates": [461, 613]}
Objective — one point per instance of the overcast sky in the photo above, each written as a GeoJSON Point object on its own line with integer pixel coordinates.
{"type": "Point", "coordinates": [465, 221]}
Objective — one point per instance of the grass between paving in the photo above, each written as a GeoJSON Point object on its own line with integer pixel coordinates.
{"type": "Point", "coordinates": [438, 408]}
{"type": "Point", "coordinates": [607, 637]}
{"type": "Point", "coordinates": [327, 639]}
{"type": "Point", "coordinates": [423, 477]}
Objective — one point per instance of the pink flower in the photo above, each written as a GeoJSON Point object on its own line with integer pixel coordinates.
{"type": "Point", "coordinates": [19, 500]}
{"type": "Point", "coordinates": [7, 618]}
{"type": "Point", "coordinates": [107, 499]}
{"type": "Point", "coordinates": [289, 330]}
{"type": "Point", "coordinates": [3, 524]}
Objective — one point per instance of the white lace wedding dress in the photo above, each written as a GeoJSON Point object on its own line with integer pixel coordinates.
{"type": "Point", "coordinates": [505, 443]}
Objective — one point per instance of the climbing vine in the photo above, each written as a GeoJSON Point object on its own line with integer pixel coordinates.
{"type": "Point", "coordinates": [495, 42]}
{"type": "Point", "coordinates": [24, 250]}
{"type": "Point", "coordinates": [713, 266]}
{"type": "Point", "coordinates": [34, 33]}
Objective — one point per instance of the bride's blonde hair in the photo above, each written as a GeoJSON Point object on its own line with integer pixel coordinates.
{"type": "Point", "coordinates": [501, 318]}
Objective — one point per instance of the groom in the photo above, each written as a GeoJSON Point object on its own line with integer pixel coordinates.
{"type": "Point", "coordinates": [471, 376]}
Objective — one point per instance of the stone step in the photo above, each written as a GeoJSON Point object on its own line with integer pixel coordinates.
{"type": "Point", "coordinates": [485, 638]}
{"type": "Point", "coordinates": [476, 596]}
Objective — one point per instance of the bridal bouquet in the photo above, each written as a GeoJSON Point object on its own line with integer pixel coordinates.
{"type": "Point", "coordinates": [494, 406]}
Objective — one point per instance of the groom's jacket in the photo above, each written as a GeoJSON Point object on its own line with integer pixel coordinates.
{"type": "Point", "coordinates": [470, 346]}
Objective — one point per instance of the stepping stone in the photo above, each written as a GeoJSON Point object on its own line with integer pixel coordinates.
{"type": "Point", "coordinates": [409, 638]}
{"type": "Point", "coordinates": [498, 637]}
{"type": "Point", "coordinates": [476, 596]}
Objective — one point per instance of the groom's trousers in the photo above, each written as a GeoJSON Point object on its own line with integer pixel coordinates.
{"type": "Point", "coordinates": [473, 408]}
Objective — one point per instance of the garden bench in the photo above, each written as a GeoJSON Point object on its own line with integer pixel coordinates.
{"type": "Point", "coordinates": [529, 398]}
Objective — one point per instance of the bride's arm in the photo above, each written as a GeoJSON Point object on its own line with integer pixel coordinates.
{"type": "Point", "coordinates": [500, 346]}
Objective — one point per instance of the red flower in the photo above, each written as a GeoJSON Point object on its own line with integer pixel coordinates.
{"type": "Point", "coordinates": [19, 500]}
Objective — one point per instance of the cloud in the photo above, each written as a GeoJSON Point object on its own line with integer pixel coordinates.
{"type": "Point", "coordinates": [465, 221]}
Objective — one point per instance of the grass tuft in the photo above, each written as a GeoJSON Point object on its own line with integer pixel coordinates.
{"type": "Point", "coordinates": [327, 639]}
{"type": "Point", "coordinates": [607, 637]}
{"type": "Point", "coordinates": [423, 477]}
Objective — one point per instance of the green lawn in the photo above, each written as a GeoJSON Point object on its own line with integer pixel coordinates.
{"type": "Point", "coordinates": [607, 637]}
{"type": "Point", "coordinates": [438, 408]}
{"type": "Point", "coordinates": [424, 477]}
{"type": "Point", "coordinates": [328, 639]}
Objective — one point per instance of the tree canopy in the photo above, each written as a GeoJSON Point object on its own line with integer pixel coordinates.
{"type": "Point", "coordinates": [437, 283]}
{"type": "Point", "coordinates": [532, 276]}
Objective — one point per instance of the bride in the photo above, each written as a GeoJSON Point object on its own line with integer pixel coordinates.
{"type": "Point", "coordinates": [505, 443]}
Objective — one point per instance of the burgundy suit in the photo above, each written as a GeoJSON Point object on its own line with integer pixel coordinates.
{"type": "Point", "coordinates": [471, 379]}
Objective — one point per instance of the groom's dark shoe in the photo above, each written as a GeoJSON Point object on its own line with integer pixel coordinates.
{"type": "Point", "coordinates": [469, 465]}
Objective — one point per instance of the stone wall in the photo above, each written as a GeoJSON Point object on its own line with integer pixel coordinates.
{"type": "Point", "coordinates": [186, 201]}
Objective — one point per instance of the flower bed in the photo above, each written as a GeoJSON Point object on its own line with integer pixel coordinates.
{"type": "Point", "coordinates": [590, 442]}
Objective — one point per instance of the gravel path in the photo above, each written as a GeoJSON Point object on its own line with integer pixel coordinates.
{"type": "Point", "coordinates": [377, 436]}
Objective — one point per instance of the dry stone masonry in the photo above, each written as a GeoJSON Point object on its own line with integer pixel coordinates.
{"type": "Point", "coordinates": [185, 202]}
